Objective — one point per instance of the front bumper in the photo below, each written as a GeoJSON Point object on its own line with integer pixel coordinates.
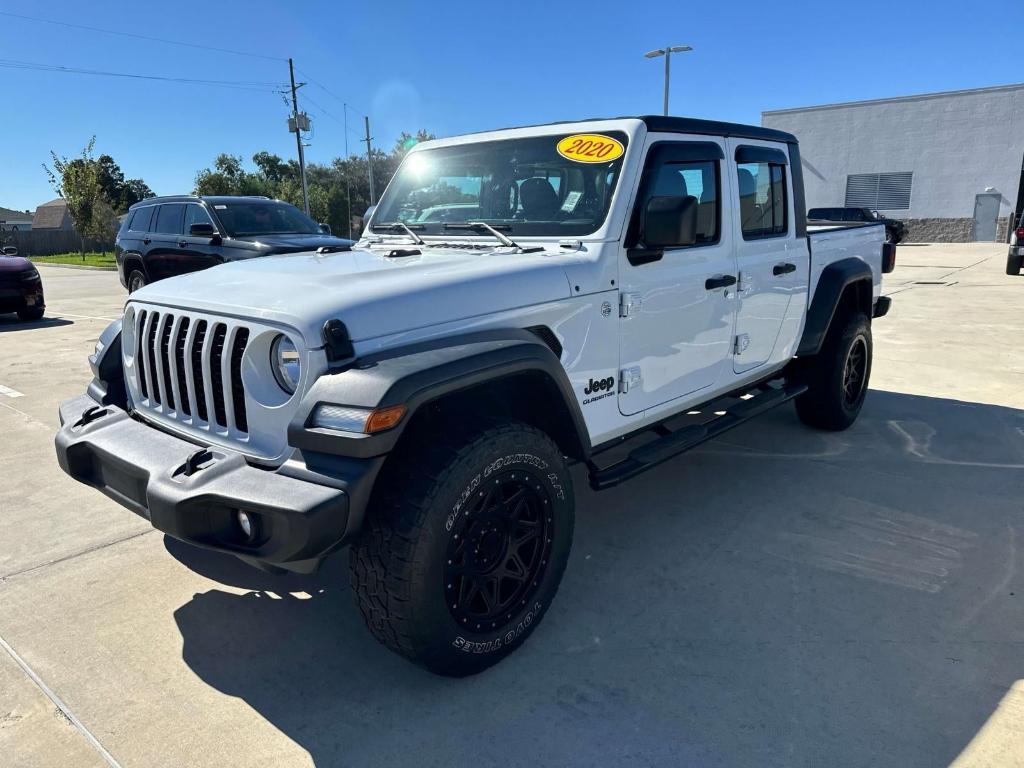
{"type": "Point", "coordinates": [193, 493]}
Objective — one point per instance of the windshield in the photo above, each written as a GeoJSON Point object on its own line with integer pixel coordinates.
{"type": "Point", "coordinates": [246, 218]}
{"type": "Point", "coordinates": [530, 186]}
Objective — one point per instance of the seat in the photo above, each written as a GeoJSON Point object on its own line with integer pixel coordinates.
{"type": "Point", "coordinates": [538, 199]}
{"type": "Point", "coordinates": [750, 215]}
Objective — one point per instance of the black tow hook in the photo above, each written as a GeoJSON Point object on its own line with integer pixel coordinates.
{"type": "Point", "coordinates": [197, 461]}
{"type": "Point", "coordinates": [89, 415]}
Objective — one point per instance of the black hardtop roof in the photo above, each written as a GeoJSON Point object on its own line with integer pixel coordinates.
{"type": "Point", "coordinates": [671, 124]}
{"type": "Point", "coordinates": [212, 199]}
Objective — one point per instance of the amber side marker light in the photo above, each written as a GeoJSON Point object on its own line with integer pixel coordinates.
{"type": "Point", "coordinates": [384, 418]}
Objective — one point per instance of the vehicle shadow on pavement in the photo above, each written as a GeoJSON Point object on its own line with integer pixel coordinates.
{"type": "Point", "coordinates": [778, 597]}
{"type": "Point", "coordinates": [14, 323]}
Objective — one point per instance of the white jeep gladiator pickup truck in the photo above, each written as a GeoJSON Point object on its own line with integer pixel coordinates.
{"type": "Point", "coordinates": [608, 293]}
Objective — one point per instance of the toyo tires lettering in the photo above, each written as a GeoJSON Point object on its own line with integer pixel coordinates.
{"type": "Point", "coordinates": [490, 469]}
{"type": "Point", "coordinates": [509, 637]}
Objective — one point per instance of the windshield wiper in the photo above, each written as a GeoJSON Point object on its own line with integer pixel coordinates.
{"type": "Point", "coordinates": [391, 226]}
{"type": "Point", "coordinates": [483, 226]}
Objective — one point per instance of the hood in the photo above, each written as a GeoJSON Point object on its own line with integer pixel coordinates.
{"type": "Point", "coordinates": [372, 293]}
{"type": "Point", "coordinates": [15, 264]}
{"type": "Point", "coordinates": [291, 243]}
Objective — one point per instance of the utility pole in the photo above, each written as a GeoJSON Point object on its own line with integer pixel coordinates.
{"type": "Point", "coordinates": [296, 124]}
{"type": "Point", "coordinates": [369, 161]}
{"type": "Point", "coordinates": [348, 183]}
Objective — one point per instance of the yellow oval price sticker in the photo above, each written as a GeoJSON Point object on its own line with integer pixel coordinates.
{"type": "Point", "coordinates": [590, 148]}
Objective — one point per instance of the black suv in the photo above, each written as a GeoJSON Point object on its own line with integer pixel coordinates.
{"type": "Point", "coordinates": [895, 230]}
{"type": "Point", "coordinates": [167, 236]}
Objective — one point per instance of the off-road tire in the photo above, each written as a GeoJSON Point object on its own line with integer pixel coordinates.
{"type": "Point", "coordinates": [829, 402]}
{"type": "Point", "coordinates": [31, 315]}
{"type": "Point", "coordinates": [1013, 265]}
{"type": "Point", "coordinates": [437, 486]}
{"type": "Point", "coordinates": [136, 280]}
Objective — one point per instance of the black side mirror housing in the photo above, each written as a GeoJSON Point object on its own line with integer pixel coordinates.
{"type": "Point", "coordinates": [202, 230]}
{"type": "Point", "coordinates": [670, 222]}
{"type": "Point", "coordinates": [325, 228]}
{"type": "Point", "coordinates": [10, 250]}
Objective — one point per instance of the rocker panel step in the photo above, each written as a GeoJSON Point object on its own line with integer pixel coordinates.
{"type": "Point", "coordinates": [683, 439]}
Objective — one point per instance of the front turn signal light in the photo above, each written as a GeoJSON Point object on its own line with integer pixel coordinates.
{"type": "Point", "coordinates": [384, 418]}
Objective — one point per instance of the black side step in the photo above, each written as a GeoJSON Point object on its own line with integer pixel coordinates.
{"type": "Point", "coordinates": [677, 441]}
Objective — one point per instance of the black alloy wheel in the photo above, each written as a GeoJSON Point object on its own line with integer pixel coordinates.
{"type": "Point", "coordinates": [498, 550]}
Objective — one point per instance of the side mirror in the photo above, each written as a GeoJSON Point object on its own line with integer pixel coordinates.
{"type": "Point", "coordinates": [202, 229]}
{"type": "Point", "coordinates": [670, 222]}
{"type": "Point", "coordinates": [325, 228]}
{"type": "Point", "coordinates": [10, 250]}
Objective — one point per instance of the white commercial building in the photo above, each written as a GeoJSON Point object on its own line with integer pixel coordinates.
{"type": "Point", "coordinates": [951, 165]}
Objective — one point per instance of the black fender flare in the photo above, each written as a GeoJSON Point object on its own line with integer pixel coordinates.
{"type": "Point", "coordinates": [835, 279]}
{"type": "Point", "coordinates": [418, 374]}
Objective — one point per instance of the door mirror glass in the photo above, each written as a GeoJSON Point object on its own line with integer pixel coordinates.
{"type": "Point", "coordinates": [325, 228]}
{"type": "Point", "coordinates": [670, 222]}
{"type": "Point", "coordinates": [201, 229]}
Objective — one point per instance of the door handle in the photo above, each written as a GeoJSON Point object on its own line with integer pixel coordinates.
{"type": "Point", "coordinates": [183, 243]}
{"type": "Point", "coordinates": [146, 241]}
{"type": "Point", "coordinates": [719, 281]}
{"type": "Point", "coordinates": [783, 269]}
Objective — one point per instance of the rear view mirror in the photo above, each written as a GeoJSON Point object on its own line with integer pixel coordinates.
{"type": "Point", "coordinates": [670, 222]}
{"type": "Point", "coordinates": [201, 230]}
{"type": "Point", "coordinates": [10, 250]}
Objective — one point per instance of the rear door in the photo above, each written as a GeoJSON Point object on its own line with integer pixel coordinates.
{"type": "Point", "coordinates": [167, 245]}
{"type": "Point", "coordinates": [677, 305]}
{"type": "Point", "coordinates": [773, 265]}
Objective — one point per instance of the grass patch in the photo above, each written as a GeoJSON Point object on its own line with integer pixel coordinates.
{"type": "Point", "coordinates": [92, 259]}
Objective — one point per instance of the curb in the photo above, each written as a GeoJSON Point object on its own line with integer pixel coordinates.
{"type": "Point", "coordinates": [73, 266]}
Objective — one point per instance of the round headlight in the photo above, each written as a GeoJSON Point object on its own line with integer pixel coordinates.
{"type": "Point", "coordinates": [284, 360]}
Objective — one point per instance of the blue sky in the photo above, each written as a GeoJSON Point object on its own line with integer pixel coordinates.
{"type": "Point", "coordinates": [452, 67]}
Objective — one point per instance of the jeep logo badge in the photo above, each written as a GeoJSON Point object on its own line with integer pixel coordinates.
{"type": "Point", "coordinates": [599, 385]}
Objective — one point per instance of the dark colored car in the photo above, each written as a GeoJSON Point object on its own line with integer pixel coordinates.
{"type": "Point", "coordinates": [21, 288]}
{"type": "Point", "coordinates": [895, 230]}
{"type": "Point", "coordinates": [167, 236]}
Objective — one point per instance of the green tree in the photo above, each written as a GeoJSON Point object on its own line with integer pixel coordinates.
{"type": "Point", "coordinates": [77, 181]}
{"type": "Point", "coordinates": [121, 193]}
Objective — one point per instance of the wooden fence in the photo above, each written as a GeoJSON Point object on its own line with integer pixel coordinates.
{"type": "Point", "coordinates": [45, 242]}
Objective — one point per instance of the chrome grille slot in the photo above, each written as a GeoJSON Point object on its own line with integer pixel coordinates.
{"type": "Point", "coordinates": [217, 373]}
{"type": "Point", "coordinates": [199, 382]}
{"type": "Point", "coordinates": [237, 389]}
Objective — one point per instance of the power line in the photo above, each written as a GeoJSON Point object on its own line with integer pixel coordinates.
{"type": "Point", "coordinates": [140, 37]}
{"type": "Point", "coordinates": [246, 85]}
{"type": "Point", "coordinates": [326, 90]}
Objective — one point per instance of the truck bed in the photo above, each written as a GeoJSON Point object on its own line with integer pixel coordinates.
{"type": "Point", "coordinates": [830, 243]}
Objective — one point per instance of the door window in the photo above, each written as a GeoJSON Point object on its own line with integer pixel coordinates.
{"type": "Point", "coordinates": [141, 219]}
{"type": "Point", "coordinates": [168, 219]}
{"type": "Point", "coordinates": [195, 214]}
{"type": "Point", "coordinates": [698, 180]}
{"type": "Point", "coordinates": [762, 188]}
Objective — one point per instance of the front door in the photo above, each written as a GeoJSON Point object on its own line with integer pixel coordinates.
{"type": "Point", "coordinates": [677, 305]}
{"type": "Point", "coordinates": [986, 213]}
{"type": "Point", "coordinates": [771, 267]}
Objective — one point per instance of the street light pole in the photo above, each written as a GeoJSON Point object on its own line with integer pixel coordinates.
{"type": "Point", "coordinates": [667, 53]}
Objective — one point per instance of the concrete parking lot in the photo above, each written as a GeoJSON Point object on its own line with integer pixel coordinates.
{"type": "Point", "coordinates": [779, 597]}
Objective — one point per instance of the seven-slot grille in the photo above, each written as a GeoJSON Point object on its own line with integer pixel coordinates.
{"type": "Point", "coordinates": [191, 369]}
